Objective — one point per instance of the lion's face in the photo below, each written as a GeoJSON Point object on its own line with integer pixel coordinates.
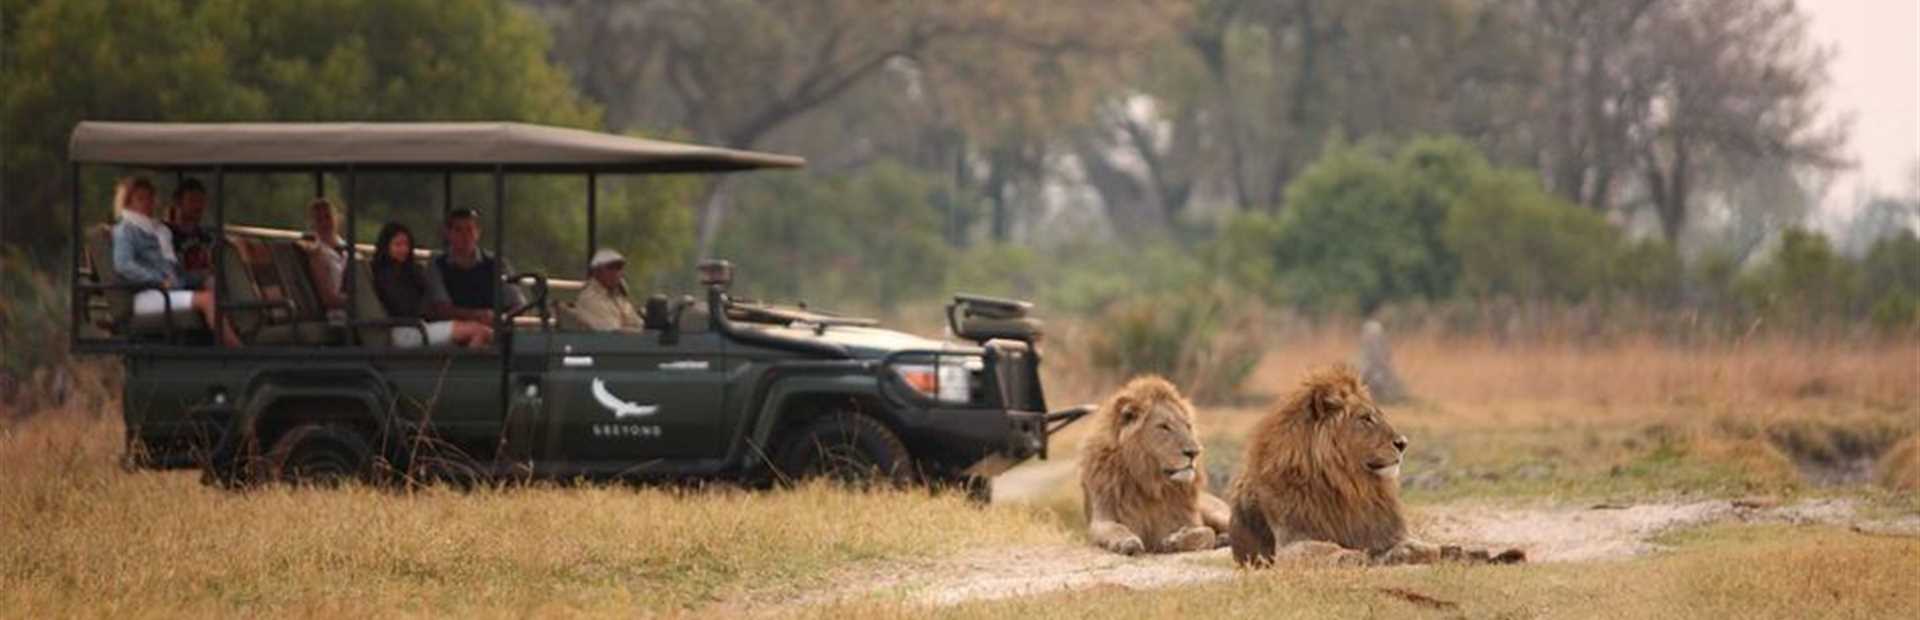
{"type": "Point", "coordinates": [1161, 431]}
{"type": "Point", "coordinates": [1370, 441]}
{"type": "Point", "coordinates": [1348, 427]}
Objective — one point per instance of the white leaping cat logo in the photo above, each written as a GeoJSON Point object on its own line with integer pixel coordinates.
{"type": "Point", "coordinates": [621, 409]}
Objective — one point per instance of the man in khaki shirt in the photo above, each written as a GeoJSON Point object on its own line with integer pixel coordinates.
{"type": "Point", "coordinates": [603, 304]}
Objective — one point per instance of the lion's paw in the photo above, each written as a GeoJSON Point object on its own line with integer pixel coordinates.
{"type": "Point", "coordinates": [1412, 552]}
{"type": "Point", "coordinates": [1349, 558]}
{"type": "Point", "coordinates": [1129, 545]}
{"type": "Point", "coordinates": [1192, 538]}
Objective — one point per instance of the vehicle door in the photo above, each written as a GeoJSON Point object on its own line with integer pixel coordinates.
{"type": "Point", "coordinates": [621, 399]}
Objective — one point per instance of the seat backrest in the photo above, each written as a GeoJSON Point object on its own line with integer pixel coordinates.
{"type": "Point", "coordinates": [658, 315]}
{"type": "Point", "coordinates": [566, 317]}
{"type": "Point", "coordinates": [257, 261]}
{"type": "Point", "coordinates": [99, 247]}
{"type": "Point", "coordinates": [290, 261]}
{"type": "Point", "coordinates": [366, 303]}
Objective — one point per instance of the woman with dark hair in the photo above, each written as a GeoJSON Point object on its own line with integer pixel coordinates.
{"type": "Point", "coordinates": [401, 285]}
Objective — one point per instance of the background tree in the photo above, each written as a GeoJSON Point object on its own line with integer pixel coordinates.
{"type": "Point", "coordinates": [296, 60]}
{"type": "Point", "coordinates": [735, 72]}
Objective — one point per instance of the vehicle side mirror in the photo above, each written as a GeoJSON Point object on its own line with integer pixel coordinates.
{"type": "Point", "coordinates": [657, 316]}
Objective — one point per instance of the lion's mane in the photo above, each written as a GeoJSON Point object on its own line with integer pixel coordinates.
{"type": "Point", "coordinates": [1295, 474]}
{"type": "Point", "coordinates": [1122, 476]}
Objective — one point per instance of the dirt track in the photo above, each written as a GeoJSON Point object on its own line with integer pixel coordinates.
{"type": "Point", "coordinates": [1547, 534]}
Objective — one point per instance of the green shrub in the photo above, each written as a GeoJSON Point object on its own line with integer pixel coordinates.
{"type": "Point", "coordinates": [1804, 283]}
{"type": "Point", "coordinates": [1516, 240]}
{"type": "Point", "coordinates": [862, 238]}
{"type": "Point", "coordinates": [32, 315]}
{"type": "Point", "coordinates": [1203, 340]}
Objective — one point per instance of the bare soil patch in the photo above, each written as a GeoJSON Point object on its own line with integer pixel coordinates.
{"type": "Point", "coordinates": [1547, 534]}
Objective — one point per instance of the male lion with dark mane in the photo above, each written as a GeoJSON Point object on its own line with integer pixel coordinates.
{"type": "Point", "coordinates": [1140, 472]}
{"type": "Point", "coordinates": [1320, 480]}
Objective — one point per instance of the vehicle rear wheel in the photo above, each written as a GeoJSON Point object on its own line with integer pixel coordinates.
{"type": "Point", "coordinates": [321, 455]}
{"type": "Point", "coordinates": [977, 489]}
{"type": "Point", "coordinates": [848, 448]}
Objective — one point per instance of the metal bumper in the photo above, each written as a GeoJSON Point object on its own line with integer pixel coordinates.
{"type": "Point", "coordinates": [1033, 431]}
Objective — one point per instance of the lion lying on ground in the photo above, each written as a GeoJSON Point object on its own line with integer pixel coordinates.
{"type": "Point", "coordinates": [1320, 481]}
{"type": "Point", "coordinates": [1141, 476]}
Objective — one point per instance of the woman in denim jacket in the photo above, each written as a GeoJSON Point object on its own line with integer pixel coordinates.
{"type": "Point", "coordinates": [143, 252]}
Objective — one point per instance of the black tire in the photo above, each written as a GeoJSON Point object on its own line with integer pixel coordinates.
{"type": "Point", "coordinates": [977, 489]}
{"type": "Point", "coordinates": [321, 455]}
{"type": "Point", "coordinates": [847, 448]}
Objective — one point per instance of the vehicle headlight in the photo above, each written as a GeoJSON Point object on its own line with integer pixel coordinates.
{"type": "Point", "coordinates": [950, 380]}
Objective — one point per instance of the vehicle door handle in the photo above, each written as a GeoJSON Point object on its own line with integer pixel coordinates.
{"type": "Point", "coordinates": [577, 361]}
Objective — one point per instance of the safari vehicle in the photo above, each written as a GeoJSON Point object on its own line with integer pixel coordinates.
{"type": "Point", "coordinates": [714, 388]}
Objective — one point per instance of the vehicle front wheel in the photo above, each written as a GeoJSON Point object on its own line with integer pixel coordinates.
{"type": "Point", "coordinates": [847, 448]}
{"type": "Point", "coordinates": [321, 455]}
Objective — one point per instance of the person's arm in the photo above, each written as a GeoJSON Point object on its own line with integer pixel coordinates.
{"type": "Point", "coordinates": [439, 305]}
{"type": "Point", "coordinates": [127, 266]}
{"type": "Point", "coordinates": [629, 313]}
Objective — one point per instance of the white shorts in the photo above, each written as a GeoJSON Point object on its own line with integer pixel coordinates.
{"type": "Point", "coordinates": [439, 333]}
{"type": "Point", "coordinates": [149, 305]}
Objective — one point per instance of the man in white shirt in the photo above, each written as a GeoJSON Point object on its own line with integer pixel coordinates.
{"type": "Point", "coordinates": [603, 305]}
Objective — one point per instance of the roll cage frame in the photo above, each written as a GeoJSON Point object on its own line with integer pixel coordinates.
{"type": "Point", "coordinates": [496, 149]}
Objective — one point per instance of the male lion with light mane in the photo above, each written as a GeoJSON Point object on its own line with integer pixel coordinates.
{"type": "Point", "coordinates": [1141, 476]}
{"type": "Point", "coordinates": [1320, 480]}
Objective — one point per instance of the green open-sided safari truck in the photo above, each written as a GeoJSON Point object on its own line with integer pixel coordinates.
{"type": "Point", "coordinates": [714, 388]}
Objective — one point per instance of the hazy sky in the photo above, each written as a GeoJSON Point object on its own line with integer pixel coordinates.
{"type": "Point", "coordinates": [1875, 79]}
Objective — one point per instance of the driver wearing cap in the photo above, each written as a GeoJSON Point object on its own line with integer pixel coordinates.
{"type": "Point", "coordinates": [603, 304]}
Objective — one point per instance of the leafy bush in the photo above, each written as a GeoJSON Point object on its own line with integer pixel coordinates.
{"type": "Point", "coordinates": [1436, 221]}
{"type": "Point", "coordinates": [1805, 282]}
{"type": "Point", "coordinates": [858, 238]}
{"type": "Point", "coordinates": [32, 316]}
{"type": "Point", "coordinates": [1203, 340]}
{"type": "Point", "coordinates": [1891, 278]}
{"type": "Point", "coordinates": [1514, 239]}
{"type": "Point", "coordinates": [1349, 240]}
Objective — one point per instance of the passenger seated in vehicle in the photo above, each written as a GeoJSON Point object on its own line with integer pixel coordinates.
{"type": "Point", "coordinates": [402, 288]}
{"type": "Point", "coordinates": [143, 251]}
{"type": "Point", "coordinates": [326, 253]}
{"type": "Point", "coordinates": [462, 277]}
{"type": "Point", "coordinates": [603, 305]}
{"type": "Point", "coordinates": [192, 243]}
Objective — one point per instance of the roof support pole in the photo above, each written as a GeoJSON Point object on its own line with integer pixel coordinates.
{"type": "Point", "coordinates": [350, 193]}
{"type": "Point", "coordinates": [77, 301]}
{"type": "Point", "coordinates": [502, 328]}
{"type": "Point", "coordinates": [593, 230]}
{"type": "Point", "coordinates": [446, 194]}
{"type": "Point", "coordinates": [219, 258]}
{"type": "Point", "coordinates": [499, 239]}
{"type": "Point", "coordinates": [319, 184]}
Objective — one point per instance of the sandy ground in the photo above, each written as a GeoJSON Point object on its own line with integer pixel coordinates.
{"type": "Point", "coordinates": [1545, 533]}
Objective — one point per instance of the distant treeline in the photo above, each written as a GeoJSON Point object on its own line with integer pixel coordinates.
{"type": "Point", "coordinates": [1083, 152]}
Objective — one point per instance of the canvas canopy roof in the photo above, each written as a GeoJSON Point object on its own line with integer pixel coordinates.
{"type": "Point", "coordinates": [515, 147]}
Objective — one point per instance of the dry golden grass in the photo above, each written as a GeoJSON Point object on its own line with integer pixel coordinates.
{"type": "Point", "coordinates": [1554, 421]}
{"type": "Point", "coordinates": [1724, 572]}
{"type": "Point", "coordinates": [82, 537]}
{"type": "Point", "coordinates": [1635, 371]}
{"type": "Point", "coordinates": [1900, 469]}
